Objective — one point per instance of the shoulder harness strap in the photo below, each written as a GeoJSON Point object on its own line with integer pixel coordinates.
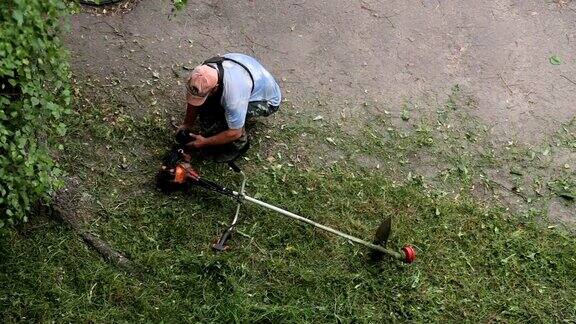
{"type": "Point", "coordinates": [218, 61]}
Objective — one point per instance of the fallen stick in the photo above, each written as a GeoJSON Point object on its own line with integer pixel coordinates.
{"type": "Point", "coordinates": [93, 241]}
{"type": "Point", "coordinates": [60, 210]}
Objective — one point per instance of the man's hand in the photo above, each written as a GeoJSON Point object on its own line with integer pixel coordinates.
{"type": "Point", "coordinates": [182, 127]}
{"type": "Point", "coordinates": [221, 138]}
{"type": "Point", "coordinates": [184, 136]}
{"type": "Point", "coordinates": [198, 141]}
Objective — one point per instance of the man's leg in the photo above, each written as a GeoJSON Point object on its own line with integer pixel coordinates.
{"type": "Point", "coordinates": [260, 109]}
{"type": "Point", "coordinates": [211, 123]}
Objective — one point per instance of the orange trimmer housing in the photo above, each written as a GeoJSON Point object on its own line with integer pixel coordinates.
{"type": "Point", "coordinates": [183, 172]}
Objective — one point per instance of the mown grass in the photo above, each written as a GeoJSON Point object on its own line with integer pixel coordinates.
{"type": "Point", "coordinates": [476, 262]}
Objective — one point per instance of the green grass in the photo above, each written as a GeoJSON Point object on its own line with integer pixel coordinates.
{"type": "Point", "coordinates": [476, 262]}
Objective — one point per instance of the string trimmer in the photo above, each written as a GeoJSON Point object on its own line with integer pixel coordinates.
{"type": "Point", "coordinates": [182, 174]}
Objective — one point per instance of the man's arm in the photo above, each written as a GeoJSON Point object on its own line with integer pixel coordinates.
{"type": "Point", "coordinates": [190, 118]}
{"type": "Point", "coordinates": [221, 138]}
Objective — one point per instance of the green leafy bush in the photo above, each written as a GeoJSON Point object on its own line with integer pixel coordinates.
{"type": "Point", "coordinates": [34, 95]}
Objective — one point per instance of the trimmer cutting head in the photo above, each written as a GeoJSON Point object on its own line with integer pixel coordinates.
{"type": "Point", "coordinates": [409, 254]}
{"type": "Point", "coordinates": [381, 238]}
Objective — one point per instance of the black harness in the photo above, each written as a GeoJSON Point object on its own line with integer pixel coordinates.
{"type": "Point", "coordinates": [211, 112]}
{"type": "Point", "coordinates": [218, 61]}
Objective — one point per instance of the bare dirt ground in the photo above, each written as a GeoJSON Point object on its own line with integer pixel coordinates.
{"type": "Point", "coordinates": [347, 58]}
{"type": "Point", "coordinates": [358, 51]}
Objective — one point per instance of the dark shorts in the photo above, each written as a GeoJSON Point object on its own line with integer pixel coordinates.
{"type": "Point", "coordinates": [260, 109]}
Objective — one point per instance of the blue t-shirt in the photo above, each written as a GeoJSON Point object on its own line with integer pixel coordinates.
{"type": "Point", "coordinates": [237, 88]}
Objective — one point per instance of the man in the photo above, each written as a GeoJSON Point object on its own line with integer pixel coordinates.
{"type": "Point", "coordinates": [221, 94]}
